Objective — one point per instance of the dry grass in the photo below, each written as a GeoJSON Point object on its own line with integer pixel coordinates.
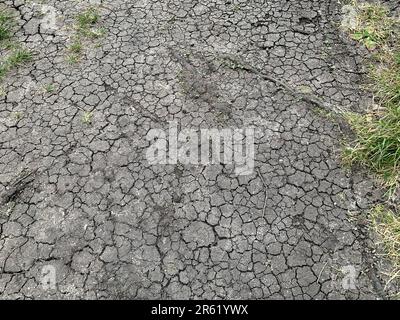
{"type": "Point", "coordinates": [386, 223]}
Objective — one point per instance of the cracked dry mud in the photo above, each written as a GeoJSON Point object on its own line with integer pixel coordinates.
{"type": "Point", "coordinates": [82, 198]}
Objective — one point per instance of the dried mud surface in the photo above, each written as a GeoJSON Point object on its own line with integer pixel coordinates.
{"type": "Point", "coordinates": [82, 198]}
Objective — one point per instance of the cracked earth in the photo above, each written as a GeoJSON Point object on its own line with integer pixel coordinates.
{"type": "Point", "coordinates": [80, 196]}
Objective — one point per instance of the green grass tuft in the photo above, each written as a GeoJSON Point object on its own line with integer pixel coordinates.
{"type": "Point", "coordinates": [6, 23]}
{"type": "Point", "coordinates": [87, 117]}
{"type": "Point", "coordinates": [85, 27]}
{"type": "Point", "coordinates": [377, 144]}
{"type": "Point", "coordinates": [76, 47]}
{"type": "Point", "coordinates": [87, 18]}
{"type": "Point", "coordinates": [49, 88]}
{"type": "Point", "coordinates": [18, 57]}
{"type": "Point", "coordinates": [86, 22]}
{"type": "Point", "coordinates": [73, 59]}
{"type": "Point", "coordinates": [14, 59]}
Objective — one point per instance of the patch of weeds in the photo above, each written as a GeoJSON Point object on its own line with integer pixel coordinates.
{"type": "Point", "coordinates": [85, 27]}
{"type": "Point", "coordinates": [6, 24]}
{"type": "Point", "coordinates": [76, 47]}
{"type": "Point", "coordinates": [9, 45]}
{"type": "Point", "coordinates": [87, 18]}
{"type": "Point", "coordinates": [73, 59]}
{"type": "Point", "coordinates": [386, 79]}
{"type": "Point", "coordinates": [374, 26]}
{"type": "Point", "coordinates": [87, 117]}
{"type": "Point", "coordinates": [75, 51]}
{"type": "Point", "coordinates": [49, 88]}
{"type": "Point", "coordinates": [86, 22]}
{"type": "Point", "coordinates": [397, 58]}
{"type": "Point", "coordinates": [17, 115]}
{"type": "Point", "coordinates": [386, 224]}
{"type": "Point", "coordinates": [16, 55]}
{"type": "Point", "coordinates": [377, 133]}
{"type": "Point", "coordinates": [16, 58]}
{"type": "Point", "coordinates": [96, 33]}
{"type": "Point", "coordinates": [3, 70]}
{"type": "Point", "coordinates": [377, 144]}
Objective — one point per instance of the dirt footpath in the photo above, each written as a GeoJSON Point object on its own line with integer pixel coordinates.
{"type": "Point", "coordinates": [84, 214]}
